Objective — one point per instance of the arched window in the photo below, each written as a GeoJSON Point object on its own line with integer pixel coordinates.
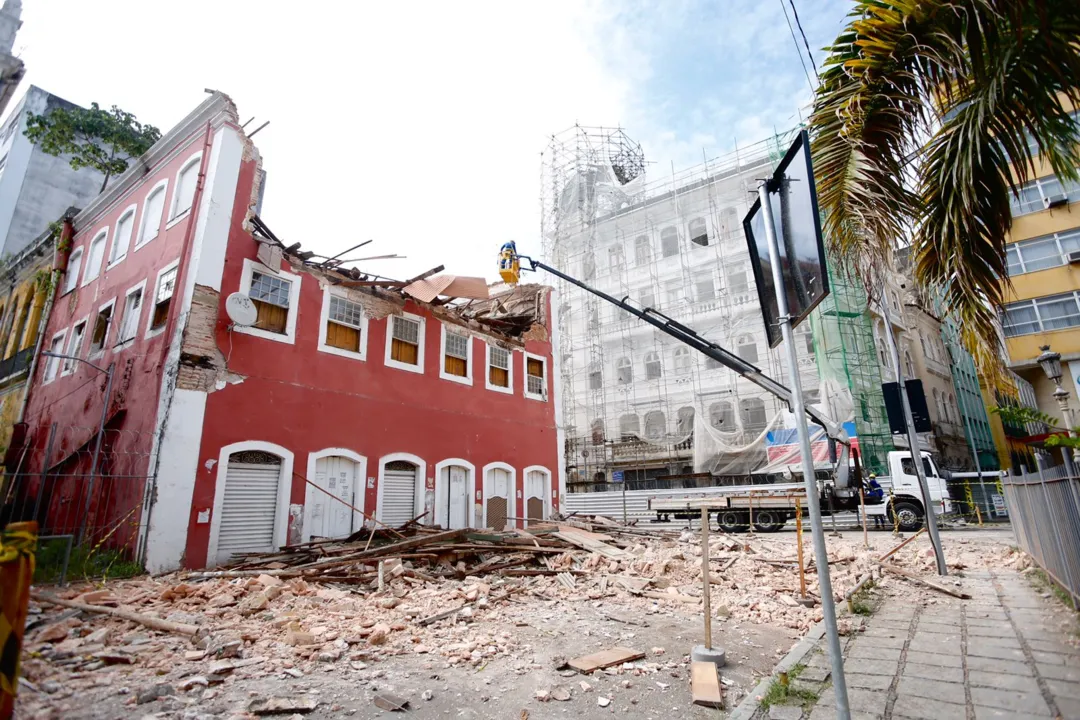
{"type": "Point", "coordinates": [642, 250]}
{"type": "Point", "coordinates": [655, 425]}
{"type": "Point", "coordinates": [729, 221]}
{"type": "Point", "coordinates": [151, 215]}
{"type": "Point", "coordinates": [752, 411]}
{"type": "Point", "coordinates": [73, 268]}
{"type": "Point", "coordinates": [184, 195]}
{"type": "Point", "coordinates": [736, 280]}
{"type": "Point", "coordinates": [95, 255]}
{"type": "Point", "coordinates": [588, 266]}
{"type": "Point", "coordinates": [653, 368]}
{"type": "Point", "coordinates": [629, 427]}
{"type": "Point", "coordinates": [594, 318]}
{"type": "Point", "coordinates": [669, 242]}
{"type": "Point", "coordinates": [624, 371]}
{"type": "Point", "coordinates": [699, 233]}
{"type": "Point", "coordinates": [596, 430]}
{"type": "Point", "coordinates": [746, 348]}
{"type": "Point", "coordinates": [122, 237]}
{"type": "Point", "coordinates": [908, 365]}
{"type": "Point", "coordinates": [596, 378]}
{"type": "Point", "coordinates": [684, 421]}
{"type": "Point", "coordinates": [615, 258]}
{"type": "Point", "coordinates": [682, 360]}
{"type": "Point", "coordinates": [883, 358]}
{"type": "Point", "coordinates": [938, 406]}
{"type": "Point", "coordinates": [722, 416]}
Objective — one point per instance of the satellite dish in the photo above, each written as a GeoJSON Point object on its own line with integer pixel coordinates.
{"type": "Point", "coordinates": [241, 310]}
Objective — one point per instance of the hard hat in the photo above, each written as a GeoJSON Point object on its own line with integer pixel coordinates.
{"type": "Point", "coordinates": [873, 476]}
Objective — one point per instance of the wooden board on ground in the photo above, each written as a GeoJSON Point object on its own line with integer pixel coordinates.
{"type": "Point", "coordinates": [705, 684]}
{"type": "Point", "coordinates": [605, 659]}
{"type": "Point", "coordinates": [581, 539]}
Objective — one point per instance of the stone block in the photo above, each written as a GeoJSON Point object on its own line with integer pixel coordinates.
{"type": "Point", "coordinates": [976, 647]}
{"type": "Point", "coordinates": [868, 682]}
{"type": "Point", "coordinates": [1003, 681]}
{"type": "Point", "coordinates": [1063, 689]}
{"type": "Point", "coordinates": [923, 708]}
{"type": "Point", "coordinates": [994, 665]}
{"type": "Point", "coordinates": [859, 700]}
{"type": "Point", "coordinates": [1031, 703]}
{"type": "Point", "coordinates": [933, 689]}
{"type": "Point", "coordinates": [866, 649]}
{"type": "Point", "coordinates": [784, 712]}
{"type": "Point", "coordinates": [933, 672]}
{"type": "Point", "coordinates": [1058, 672]}
{"type": "Point", "coordinates": [876, 667]}
{"type": "Point", "coordinates": [815, 674]}
{"type": "Point", "coordinates": [928, 658]}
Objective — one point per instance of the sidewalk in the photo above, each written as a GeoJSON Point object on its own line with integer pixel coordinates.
{"type": "Point", "coordinates": [1006, 653]}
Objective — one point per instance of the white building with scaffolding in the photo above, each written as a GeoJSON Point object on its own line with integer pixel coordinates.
{"type": "Point", "coordinates": [638, 405]}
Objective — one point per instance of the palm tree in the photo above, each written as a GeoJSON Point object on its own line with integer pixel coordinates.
{"type": "Point", "coordinates": [920, 128]}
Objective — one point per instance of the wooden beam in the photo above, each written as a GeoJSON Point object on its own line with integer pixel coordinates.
{"type": "Point", "coordinates": [425, 275]}
{"type": "Point", "coordinates": [928, 583]}
{"type": "Point", "coordinates": [705, 684]}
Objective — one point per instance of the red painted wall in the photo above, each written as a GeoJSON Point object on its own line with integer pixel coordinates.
{"type": "Point", "coordinates": [306, 401]}
{"type": "Point", "coordinates": [74, 401]}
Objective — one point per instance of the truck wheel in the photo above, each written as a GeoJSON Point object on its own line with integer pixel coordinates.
{"type": "Point", "coordinates": [767, 521]}
{"type": "Point", "coordinates": [907, 514]}
{"type": "Point", "coordinates": [732, 521]}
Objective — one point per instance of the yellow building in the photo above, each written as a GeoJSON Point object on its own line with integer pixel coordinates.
{"type": "Point", "coordinates": [24, 290]}
{"type": "Point", "coordinates": [1043, 304]}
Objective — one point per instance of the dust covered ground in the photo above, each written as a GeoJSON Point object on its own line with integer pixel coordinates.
{"type": "Point", "coordinates": [322, 650]}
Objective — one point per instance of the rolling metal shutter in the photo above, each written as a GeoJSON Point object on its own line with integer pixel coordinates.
{"type": "Point", "coordinates": [398, 495]}
{"type": "Point", "coordinates": [249, 509]}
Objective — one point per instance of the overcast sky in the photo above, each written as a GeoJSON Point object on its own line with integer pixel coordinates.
{"type": "Point", "coordinates": [420, 125]}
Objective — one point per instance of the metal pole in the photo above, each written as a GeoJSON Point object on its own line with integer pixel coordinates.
{"type": "Point", "coordinates": [821, 554]}
{"type": "Point", "coordinates": [706, 595]}
{"type": "Point", "coordinates": [799, 549]}
{"type": "Point", "coordinates": [971, 441]}
{"type": "Point", "coordinates": [97, 450]}
{"type": "Point", "coordinates": [624, 521]}
{"type": "Point", "coordinates": [44, 474]}
{"type": "Point", "coordinates": [913, 442]}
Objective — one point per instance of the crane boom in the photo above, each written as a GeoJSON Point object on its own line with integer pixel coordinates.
{"type": "Point", "coordinates": [690, 337]}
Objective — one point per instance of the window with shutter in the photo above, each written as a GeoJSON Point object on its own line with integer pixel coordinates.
{"type": "Point", "coordinates": [405, 347]}
{"type": "Point", "coordinates": [74, 347]}
{"type": "Point", "coordinates": [52, 364]}
{"type": "Point", "coordinates": [536, 382]}
{"type": "Point", "coordinates": [163, 298]}
{"type": "Point", "coordinates": [123, 236]}
{"type": "Point", "coordinates": [344, 324]}
{"type": "Point", "coordinates": [456, 358]}
{"type": "Point", "coordinates": [271, 297]}
{"type": "Point", "coordinates": [102, 324]}
{"type": "Point", "coordinates": [95, 256]}
{"type": "Point", "coordinates": [185, 187]}
{"type": "Point", "coordinates": [73, 268]}
{"type": "Point", "coordinates": [498, 367]}
{"type": "Point", "coordinates": [129, 323]}
{"type": "Point", "coordinates": [151, 217]}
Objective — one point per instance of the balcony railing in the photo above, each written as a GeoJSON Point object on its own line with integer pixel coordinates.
{"type": "Point", "coordinates": [17, 363]}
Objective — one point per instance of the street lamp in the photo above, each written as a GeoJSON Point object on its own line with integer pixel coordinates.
{"type": "Point", "coordinates": [1050, 362]}
{"type": "Point", "coordinates": [108, 373]}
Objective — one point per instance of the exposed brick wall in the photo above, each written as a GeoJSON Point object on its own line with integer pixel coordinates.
{"type": "Point", "coordinates": [201, 362]}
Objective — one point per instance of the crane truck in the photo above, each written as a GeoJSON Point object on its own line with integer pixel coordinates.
{"type": "Point", "coordinates": [837, 491]}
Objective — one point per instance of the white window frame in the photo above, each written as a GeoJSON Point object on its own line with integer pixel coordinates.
{"type": "Point", "coordinates": [75, 352]}
{"type": "Point", "coordinates": [70, 278]}
{"type": "Point", "coordinates": [62, 337]}
{"type": "Point", "coordinates": [163, 186]}
{"type": "Point", "coordinates": [525, 372]}
{"type": "Point", "coordinates": [468, 378]}
{"type": "Point", "coordinates": [121, 346]}
{"type": "Point", "coordinates": [112, 323]}
{"type": "Point", "coordinates": [324, 318]}
{"type": "Point", "coordinates": [1040, 184]}
{"type": "Point", "coordinates": [1034, 303]}
{"type": "Point", "coordinates": [103, 235]}
{"type": "Point", "coordinates": [174, 216]}
{"type": "Point", "coordinates": [420, 337]}
{"type": "Point", "coordinates": [1055, 237]}
{"type": "Point", "coordinates": [289, 337]}
{"type": "Point", "coordinates": [114, 261]}
{"type": "Point", "coordinates": [154, 332]}
{"type": "Point", "coordinates": [509, 389]}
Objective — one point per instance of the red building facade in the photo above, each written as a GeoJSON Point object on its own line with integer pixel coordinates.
{"type": "Point", "coordinates": [339, 402]}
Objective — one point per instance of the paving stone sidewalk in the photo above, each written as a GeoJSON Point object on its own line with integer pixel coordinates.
{"type": "Point", "coordinates": [1006, 653]}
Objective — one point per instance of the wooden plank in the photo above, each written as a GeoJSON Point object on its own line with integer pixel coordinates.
{"type": "Point", "coordinates": [677, 597]}
{"type": "Point", "coordinates": [705, 684]}
{"type": "Point", "coordinates": [932, 585]}
{"type": "Point", "coordinates": [389, 550]}
{"type": "Point", "coordinates": [605, 659]}
{"type": "Point", "coordinates": [591, 545]}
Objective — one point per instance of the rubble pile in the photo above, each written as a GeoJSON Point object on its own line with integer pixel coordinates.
{"type": "Point", "coordinates": [449, 598]}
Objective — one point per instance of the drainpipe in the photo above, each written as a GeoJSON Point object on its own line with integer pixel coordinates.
{"type": "Point", "coordinates": [170, 328]}
{"type": "Point", "coordinates": [66, 233]}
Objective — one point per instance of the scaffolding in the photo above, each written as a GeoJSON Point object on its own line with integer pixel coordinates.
{"type": "Point", "coordinates": [636, 404]}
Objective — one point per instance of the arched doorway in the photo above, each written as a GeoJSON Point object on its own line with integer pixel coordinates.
{"type": "Point", "coordinates": [338, 476]}
{"type": "Point", "coordinates": [397, 491]}
{"type": "Point", "coordinates": [537, 494]}
{"type": "Point", "coordinates": [453, 493]}
{"type": "Point", "coordinates": [248, 513]}
{"type": "Point", "coordinates": [499, 495]}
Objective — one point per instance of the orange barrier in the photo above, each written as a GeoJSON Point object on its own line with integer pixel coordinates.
{"type": "Point", "coordinates": [18, 541]}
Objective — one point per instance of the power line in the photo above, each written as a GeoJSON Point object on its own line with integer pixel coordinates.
{"type": "Point", "coordinates": [797, 48]}
{"type": "Point", "coordinates": [809, 54]}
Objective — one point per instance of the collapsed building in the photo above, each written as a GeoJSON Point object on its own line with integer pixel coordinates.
{"type": "Point", "coordinates": [208, 389]}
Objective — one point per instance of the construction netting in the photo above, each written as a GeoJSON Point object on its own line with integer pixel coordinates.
{"type": "Point", "coordinates": [638, 405]}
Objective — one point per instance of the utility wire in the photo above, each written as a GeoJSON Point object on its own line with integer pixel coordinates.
{"type": "Point", "coordinates": [797, 48]}
{"type": "Point", "coordinates": [809, 54]}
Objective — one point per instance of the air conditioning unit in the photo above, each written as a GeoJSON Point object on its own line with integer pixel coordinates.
{"type": "Point", "coordinates": [1074, 257]}
{"type": "Point", "coordinates": [1053, 201]}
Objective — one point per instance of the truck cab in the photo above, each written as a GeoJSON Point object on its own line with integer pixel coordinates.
{"type": "Point", "coordinates": [903, 498]}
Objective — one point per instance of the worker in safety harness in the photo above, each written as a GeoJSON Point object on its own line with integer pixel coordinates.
{"type": "Point", "coordinates": [875, 492]}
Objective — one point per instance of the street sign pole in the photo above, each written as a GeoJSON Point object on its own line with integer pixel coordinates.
{"type": "Point", "coordinates": [817, 532]}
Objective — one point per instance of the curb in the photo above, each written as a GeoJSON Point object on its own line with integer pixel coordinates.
{"type": "Point", "coordinates": [750, 704]}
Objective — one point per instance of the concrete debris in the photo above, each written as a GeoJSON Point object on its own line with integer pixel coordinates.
{"type": "Point", "coordinates": [449, 599]}
{"type": "Point", "coordinates": [386, 701]}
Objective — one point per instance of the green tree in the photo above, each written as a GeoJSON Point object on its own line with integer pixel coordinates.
{"type": "Point", "coordinates": [102, 139]}
{"type": "Point", "coordinates": [922, 108]}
